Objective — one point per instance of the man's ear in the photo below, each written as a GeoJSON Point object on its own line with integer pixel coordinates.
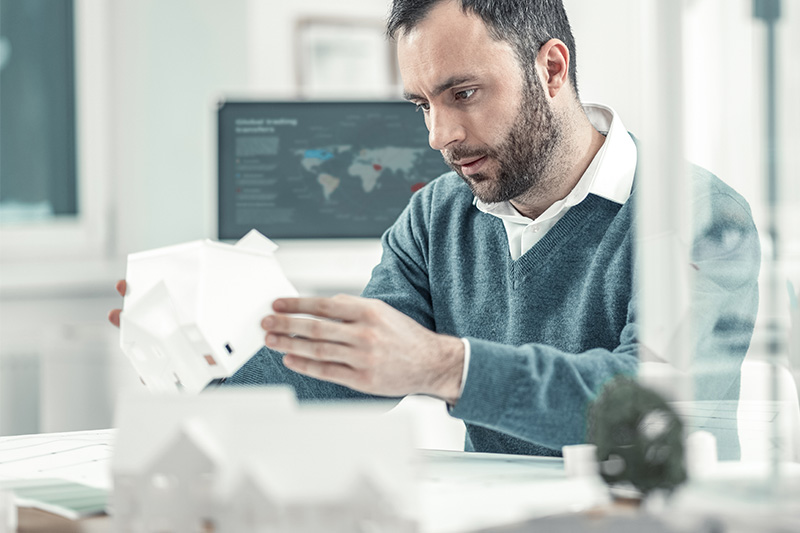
{"type": "Point", "coordinates": [553, 66]}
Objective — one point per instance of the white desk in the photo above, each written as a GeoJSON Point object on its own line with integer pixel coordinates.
{"type": "Point", "coordinates": [463, 492]}
{"type": "Point", "coordinates": [457, 491]}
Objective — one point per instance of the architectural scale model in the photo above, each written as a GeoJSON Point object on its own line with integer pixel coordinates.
{"type": "Point", "coordinates": [192, 312]}
{"type": "Point", "coordinates": [252, 460]}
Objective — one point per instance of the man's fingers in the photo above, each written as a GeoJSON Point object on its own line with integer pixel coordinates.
{"type": "Point", "coordinates": [113, 316]}
{"type": "Point", "coordinates": [341, 307]}
{"type": "Point", "coordinates": [309, 328]}
{"type": "Point", "coordinates": [333, 372]}
{"type": "Point", "coordinates": [316, 350]}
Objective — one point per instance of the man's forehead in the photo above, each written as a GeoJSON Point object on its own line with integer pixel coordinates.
{"type": "Point", "coordinates": [441, 52]}
{"type": "Point", "coordinates": [446, 17]}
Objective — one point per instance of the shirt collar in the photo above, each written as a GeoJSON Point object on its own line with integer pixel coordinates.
{"type": "Point", "coordinates": [609, 175]}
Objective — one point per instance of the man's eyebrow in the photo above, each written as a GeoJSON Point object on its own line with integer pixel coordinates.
{"type": "Point", "coordinates": [442, 87]}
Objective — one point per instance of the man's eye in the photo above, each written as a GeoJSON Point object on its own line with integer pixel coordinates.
{"type": "Point", "coordinates": [465, 94]}
{"type": "Point", "coordinates": [720, 240]}
{"type": "Point", "coordinates": [424, 107]}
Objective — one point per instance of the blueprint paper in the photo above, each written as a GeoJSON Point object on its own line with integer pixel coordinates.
{"type": "Point", "coordinates": [57, 496]}
{"type": "Point", "coordinates": [79, 456]}
{"type": "Point", "coordinates": [67, 474]}
{"type": "Point", "coordinates": [192, 312]}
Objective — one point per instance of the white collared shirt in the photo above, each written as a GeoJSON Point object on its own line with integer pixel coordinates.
{"type": "Point", "coordinates": [609, 175]}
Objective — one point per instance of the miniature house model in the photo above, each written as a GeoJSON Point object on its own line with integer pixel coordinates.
{"type": "Point", "coordinates": [356, 503]}
{"type": "Point", "coordinates": [176, 487]}
{"type": "Point", "coordinates": [252, 460]}
{"type": "Point", "coordinates": [192, 312]}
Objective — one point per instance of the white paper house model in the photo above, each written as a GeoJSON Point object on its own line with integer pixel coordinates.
{"type": "Point", "coordinates": [250, 461]}
{"type": "Point", "coordinates": [192, 312]}
{"type": "Point", "coordinates": [177, 487]}
{"type": "Point", "coordinates": [265, 501]}
{"type": "Point", "coordinates": [168, 459]}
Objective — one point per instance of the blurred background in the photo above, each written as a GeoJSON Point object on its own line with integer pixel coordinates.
{"type": "Point", "coordinates": [108, 147]}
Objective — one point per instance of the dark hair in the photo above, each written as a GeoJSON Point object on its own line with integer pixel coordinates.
{"type": "Point", "coordinates": [525, 24]}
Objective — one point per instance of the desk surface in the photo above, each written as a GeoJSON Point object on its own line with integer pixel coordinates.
{"type": "Point", "coordinates": [463, 492]}
{"type": "Point", "coordinates": [457, 491]}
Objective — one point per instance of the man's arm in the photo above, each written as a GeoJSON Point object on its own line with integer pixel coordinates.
{"type": "Point", "coordinates": [533, 392]}
{"type": "Point", "coordinates": [539, 393]}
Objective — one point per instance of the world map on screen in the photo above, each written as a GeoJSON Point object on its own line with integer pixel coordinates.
{"type": "Point", "coordinates": [320, 169]}
{"type": "Point", "coordinates": [331, 165]}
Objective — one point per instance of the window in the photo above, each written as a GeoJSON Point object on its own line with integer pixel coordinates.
{"type": "Point", "coordinates": [37, 111]}
{"type": "Point", "coordinates": [53, 132]}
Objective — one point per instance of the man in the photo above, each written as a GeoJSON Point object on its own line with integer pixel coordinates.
{"type": "Point", "coordinates": [506, 287]}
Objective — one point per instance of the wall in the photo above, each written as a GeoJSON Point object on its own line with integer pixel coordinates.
{"type": "Point", "coordinates": [174, 60]}
{"type": "Point", "coordinates": [608, 41]}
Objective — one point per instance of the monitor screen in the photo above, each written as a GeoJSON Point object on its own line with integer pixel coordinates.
{"type": "Point", "coordinates": [296, 170]}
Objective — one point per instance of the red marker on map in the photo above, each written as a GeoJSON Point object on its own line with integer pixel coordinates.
{"type": "Point", "coordinates": [377, 167]}
{"type": "Point", "coordinates": [417, 186]}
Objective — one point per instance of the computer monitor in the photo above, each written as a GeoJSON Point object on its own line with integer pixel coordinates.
{"type": "Point", "coordinates": [319, 170]}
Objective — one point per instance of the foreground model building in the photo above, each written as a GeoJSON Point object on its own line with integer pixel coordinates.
{"type": "Point", "coordinates": [255, 461]}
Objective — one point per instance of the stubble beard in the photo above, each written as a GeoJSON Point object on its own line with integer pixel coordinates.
{"type": "Point", "coordinates": [524, 158]}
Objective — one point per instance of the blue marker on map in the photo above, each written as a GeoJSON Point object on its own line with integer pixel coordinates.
{"type": "Point", "coordinates": [322, 155]}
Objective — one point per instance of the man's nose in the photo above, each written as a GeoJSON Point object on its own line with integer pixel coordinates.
{"type": "Point", "coordinates": [444, 128]}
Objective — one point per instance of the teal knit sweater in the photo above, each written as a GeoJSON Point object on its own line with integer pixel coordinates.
{"type": "Point", "coordinates": [546, 331]}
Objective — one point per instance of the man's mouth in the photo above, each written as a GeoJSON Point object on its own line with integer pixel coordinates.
{"type": "Point", "coordinates": [471, 165]}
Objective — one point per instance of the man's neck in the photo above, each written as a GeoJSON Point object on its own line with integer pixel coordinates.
{"type": "Point", "coordinates": [581, 142]}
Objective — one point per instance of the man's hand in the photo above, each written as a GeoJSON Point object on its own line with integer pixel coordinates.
{"type": "Point", "coordinates": [365, 345]}
{"type": "Point", "coordinates": [113, 315]}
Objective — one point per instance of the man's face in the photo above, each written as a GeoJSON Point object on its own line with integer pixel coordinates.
{"type": "Point", "coordinates": [492, 123]}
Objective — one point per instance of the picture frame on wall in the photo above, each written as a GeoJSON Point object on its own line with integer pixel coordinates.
{"type": "Point", "coordinates": [343, 58]}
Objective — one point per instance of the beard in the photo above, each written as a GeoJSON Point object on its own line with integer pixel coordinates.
{"type": "Point", "coordinates": [524, 157]}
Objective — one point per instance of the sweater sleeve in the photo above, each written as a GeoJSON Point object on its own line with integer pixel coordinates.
{"type": "Point", "coordinates": [538, 393]}
{"type": "Point", "coordinates": [401, 278]}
